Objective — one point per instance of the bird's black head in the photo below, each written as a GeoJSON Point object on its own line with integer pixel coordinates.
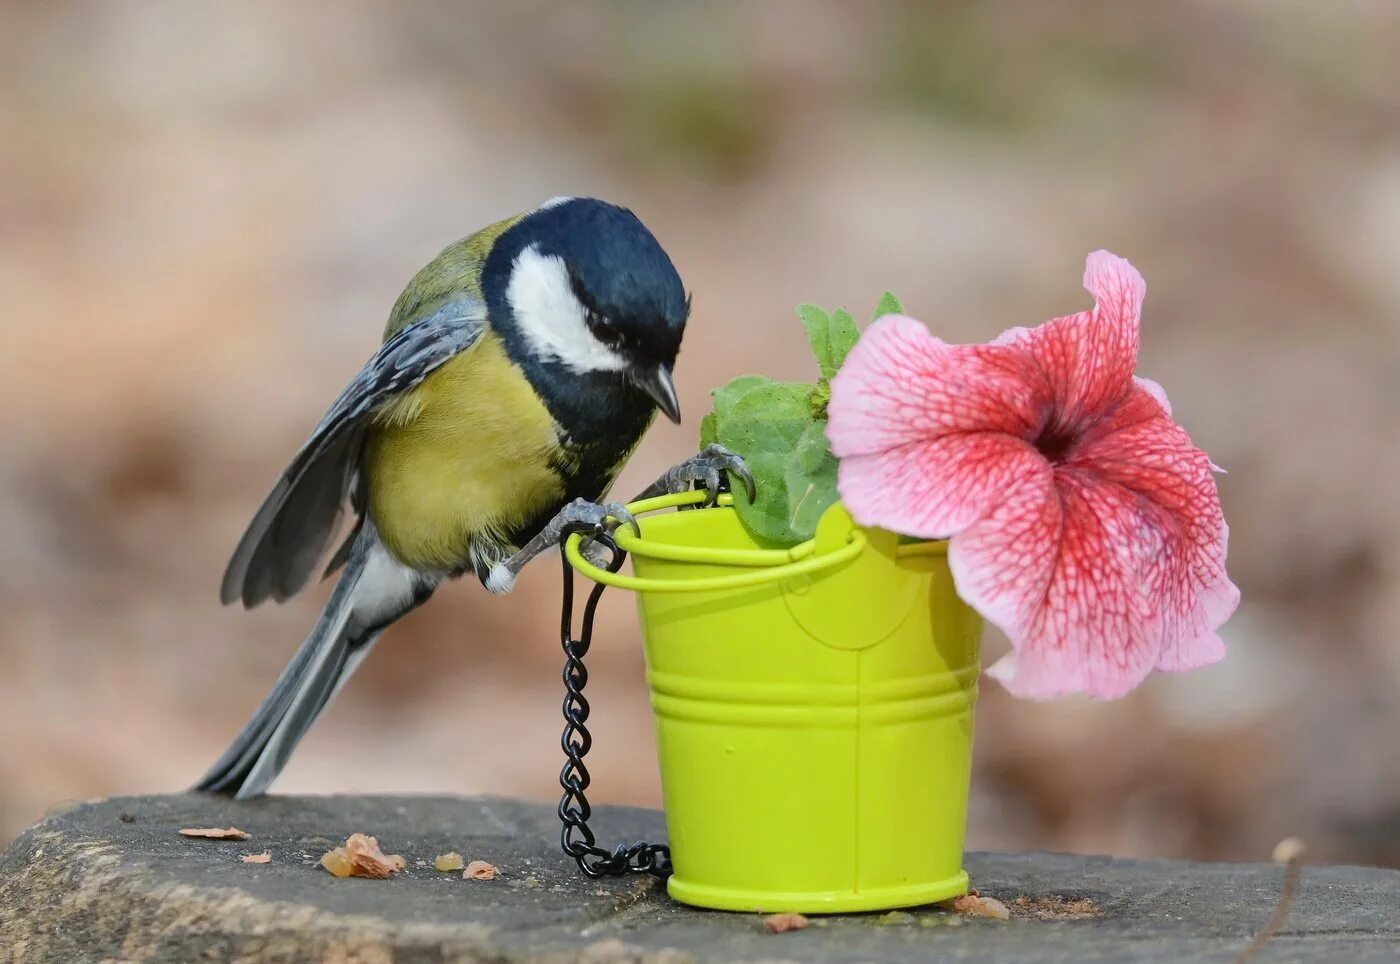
{"type": "Point", "coordinates": [580, 287]}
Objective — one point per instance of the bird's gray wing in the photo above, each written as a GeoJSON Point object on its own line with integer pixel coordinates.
{"type": "Point", "coordinates": [287, 536]}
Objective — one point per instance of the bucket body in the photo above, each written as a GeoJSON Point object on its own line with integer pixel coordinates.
{"type": "Point", "coordinates": [814, 728]}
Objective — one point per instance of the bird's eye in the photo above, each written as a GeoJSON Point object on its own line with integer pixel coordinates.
{"type": "Point", "coordinates": [602, 328]}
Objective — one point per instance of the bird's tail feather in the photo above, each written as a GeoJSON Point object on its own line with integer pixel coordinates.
{"type": "Point", "coordinates": [260, 751]}
{"type": "Point", "coordinates": [372, 592]}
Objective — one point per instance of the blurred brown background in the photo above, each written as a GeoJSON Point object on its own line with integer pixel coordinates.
{"type": "Point", "coordinates": [206, 210]}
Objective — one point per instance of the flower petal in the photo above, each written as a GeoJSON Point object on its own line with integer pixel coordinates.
{"type": "Point", "coordinates": [1083, 521]}
{"type": "Point", "coordinates": [1155, 390]}
{"type": "Point", "coordinates": [1089, 357]}
{"type": "Point", "coordinates": [900, 384]}
{"type": "Point", "coordinates": [1141, 450]}
{"type": "Point", "coordinates": [1003, 565]}
{"type": "Point", "coordinates": [936, 487]}
{"type": "Point", "coordinates": [1058, 567]}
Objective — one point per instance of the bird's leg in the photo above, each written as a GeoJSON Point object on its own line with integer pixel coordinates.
{"type": "Point", "coordinates": [708, 468]}
{"type": "Point", "coordinates": [603, 518]}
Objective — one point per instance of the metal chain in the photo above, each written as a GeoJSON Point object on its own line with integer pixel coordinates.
{"type": "Point", "coordinates": [577, 838]}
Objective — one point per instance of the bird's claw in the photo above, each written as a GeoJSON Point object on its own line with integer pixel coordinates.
{"type": "Point", "coordinates": [598, 556]}
{"type": "Point", "coordinates": [591, 519]}
{"type": "Point", "coordinates": [709, 469]}
{"type": "Point", "coordinates": [604, 518]}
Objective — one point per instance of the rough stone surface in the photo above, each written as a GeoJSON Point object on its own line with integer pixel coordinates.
{"type": "Point", "coordinates": [114, 880]}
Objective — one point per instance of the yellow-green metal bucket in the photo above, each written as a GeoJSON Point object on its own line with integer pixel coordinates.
{"type": "Point", "coordinates": [813, 710]}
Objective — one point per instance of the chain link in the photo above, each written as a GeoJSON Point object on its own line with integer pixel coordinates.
{"type": "Point", "coordinates": [576, 838]}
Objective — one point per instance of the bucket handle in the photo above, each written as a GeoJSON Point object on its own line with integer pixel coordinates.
{"type": "Point", "coordinates": [764, 565]}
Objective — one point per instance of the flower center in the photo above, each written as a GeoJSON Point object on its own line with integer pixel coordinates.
{"type": "Point", "coordinates": [1054, 442]}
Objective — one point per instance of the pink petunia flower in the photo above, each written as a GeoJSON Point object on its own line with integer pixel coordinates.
{"type": "Point", "coordinates": [1083, 521]}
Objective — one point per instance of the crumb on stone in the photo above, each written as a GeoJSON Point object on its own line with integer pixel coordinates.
{"type": "Point", "coordinates": [973, 904]}
{"type": "Point", "coordinates": [215, 833]}
{"type": "Point", "coordinates": [480, 870]}
{"type": "Point", "coordinates": [782, 923]}
{"type": "Point", "coordinates": [360, 856]}
{"type": "Point", "coordinates": [449, 861]}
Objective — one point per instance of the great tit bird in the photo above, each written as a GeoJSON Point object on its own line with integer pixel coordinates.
{"type": "Point", "coordinates": [519, 370]}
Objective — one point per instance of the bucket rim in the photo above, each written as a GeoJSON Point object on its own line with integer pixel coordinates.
{"type": "Point", "coordinates": [762, 566]}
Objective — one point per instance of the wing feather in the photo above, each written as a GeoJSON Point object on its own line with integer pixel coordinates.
{"type": "Point", "coordinates": [299, 517]}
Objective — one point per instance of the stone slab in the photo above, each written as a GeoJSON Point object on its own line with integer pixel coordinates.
{"type": "Point", "coordinates": [113, 880]}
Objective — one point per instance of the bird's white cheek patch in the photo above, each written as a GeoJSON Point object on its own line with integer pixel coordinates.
{"type": "Point", "coordinates": [551, 318]}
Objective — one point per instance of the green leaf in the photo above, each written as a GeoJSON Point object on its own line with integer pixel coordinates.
{"type": "Point", "coordinates": [725, 398]}
{"type": "Point", "coordinates": [728, 394]}
{"type": "Point", "coordinates": [763, 421]}
{"type": "Point", "coordinates": [780, 430]}
{"type": "Point", "coordinates": [832, 336]}
{"type": "Point", "coordinates": [842, 338]}
{"type": "Point", "coordinates": [819, 399]}
{"type": "Point", "coordinates": [818, 325]}
{"type": "Point", "coordinates": [708, 432]}
{"type": "Point", "coordinates": [889, 305]}
{"type": "Point", "coordinates": [810, 479]}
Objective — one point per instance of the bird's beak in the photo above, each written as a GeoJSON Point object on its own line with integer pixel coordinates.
{"type": "Point", "coordinates": [657, 383]}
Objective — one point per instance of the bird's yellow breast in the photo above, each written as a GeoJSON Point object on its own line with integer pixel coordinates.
{"type": "Point", "coordinates": [465, 456]}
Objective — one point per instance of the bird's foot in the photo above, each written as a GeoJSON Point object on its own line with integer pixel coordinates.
{"type": "Point", "coordinates": [604, 518]}
{"type": "Point", "coordinates": [708, 470]}
{"type": "Point", "coordinates": [592, 518]}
